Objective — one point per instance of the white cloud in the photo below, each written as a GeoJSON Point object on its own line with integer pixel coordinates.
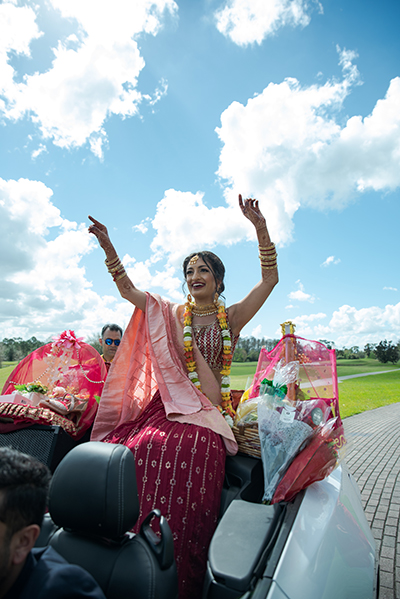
{"type": "Point", "coordinates": [268, 146]}
{"type": "Point", "coordinates": [330, 260]}
{"type": "Point", "coordinates": [300, 295]}
{"type": "Point", "coordinates": [142, 227]}
{"type": "Point", "coordinates": [159, 93]}
{"type": "Point", "coordinates": [304, 324]}
{"type": "Point", "coordinates": [94, 72]}
{"type": "Point", "coordinates": [18, 28]}
{"type": "Point", "coordinates": [349, 326]}
{"type": "Point", "coordinates": [251, 21]}
{"type": "Point", "coordinates": [289, 148]}
{"type": "Point", "coordinates": [256, 332]}
{"type": "Point", "coordinates": [43, 288]}
{"type": "Point", "coordinates": [390, 289]}
{"type": "Point", "coordinates": [183, 223]}
{"type": "Point", "coordinates": [42, 148]}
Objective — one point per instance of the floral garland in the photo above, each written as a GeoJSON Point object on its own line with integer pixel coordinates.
{"type": "Point", "coordinates": [226, 407]}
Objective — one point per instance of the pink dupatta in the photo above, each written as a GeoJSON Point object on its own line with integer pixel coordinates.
{"type": "Point", "coordinates": [150, 357]}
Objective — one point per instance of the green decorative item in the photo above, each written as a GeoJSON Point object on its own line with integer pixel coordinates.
{"type": "Point", "coordinates": [273, 389]}
{"type": "Point", "coordinates": [32, 388]}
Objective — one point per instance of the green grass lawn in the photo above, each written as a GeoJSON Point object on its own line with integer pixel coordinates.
{"type": "Point", "coordinates": [241, 372]}
{"type": "Point", "coordinates": [347, 367]}
{"type": "Point", "coordinates": [5, 371]}
{"type": "Point", "coordinates": [367, 393]}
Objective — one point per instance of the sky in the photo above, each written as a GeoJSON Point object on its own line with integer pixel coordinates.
{"type": "Point", "coordinates": [152, 116]}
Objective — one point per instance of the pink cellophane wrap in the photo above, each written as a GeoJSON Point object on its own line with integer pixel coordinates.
{"type": "Point", "coordinates": [151, 357]}
{"type": "Point", "coordinates": [317, 369]}
{"type": "Point", "coordinates": [67, 363]}
{"type": "Point", "coordinates": [317, 380]}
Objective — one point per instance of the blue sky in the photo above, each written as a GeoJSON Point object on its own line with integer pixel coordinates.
{"type": "Point", "coordinates": [153, 116]}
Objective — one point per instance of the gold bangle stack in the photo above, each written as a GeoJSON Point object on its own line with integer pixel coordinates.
{"type": "Point", "coordinates": [268, 257]}
{"type": "Point", "coordinates": [116, 269]}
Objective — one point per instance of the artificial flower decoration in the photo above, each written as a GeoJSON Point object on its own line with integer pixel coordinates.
{"type": "Point", "coordinates": [67, 339]}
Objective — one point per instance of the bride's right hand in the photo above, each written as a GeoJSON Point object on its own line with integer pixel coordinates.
{"type": "Point", "coordinates": [100, 231]}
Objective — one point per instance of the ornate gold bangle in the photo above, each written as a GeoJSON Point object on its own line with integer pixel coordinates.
{"type": "Point", "coordinates": [111, 262]}
{"type": "Point", "coordinates": [115, 268]}
{"type": "Point", "coordinates": [120, 276]}
{"type": "Point", "coordinates": [266, 260]}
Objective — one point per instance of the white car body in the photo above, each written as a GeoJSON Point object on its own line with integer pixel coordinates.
{"type": "Point", "coordinates": [319, 546]}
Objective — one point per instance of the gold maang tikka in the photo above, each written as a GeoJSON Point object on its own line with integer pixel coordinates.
{"type": "Point", "coordinates": [193, 260]}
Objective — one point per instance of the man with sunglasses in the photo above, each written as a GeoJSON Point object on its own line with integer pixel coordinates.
{"type": "Point", "coordinates": [111, 335]}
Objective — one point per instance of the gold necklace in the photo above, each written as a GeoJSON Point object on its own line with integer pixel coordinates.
{"type": "Point", "coordinates": [204, 310]}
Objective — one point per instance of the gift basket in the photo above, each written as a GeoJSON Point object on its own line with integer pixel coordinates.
{"type": "Point", "coordinates": [59, 384]}
{"type": "Point", "coordinates": [289, 416]}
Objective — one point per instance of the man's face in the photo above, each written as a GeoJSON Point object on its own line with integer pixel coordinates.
{"type": "Point", "coordinates": [109, 351]}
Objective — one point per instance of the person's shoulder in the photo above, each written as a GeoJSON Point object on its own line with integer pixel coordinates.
{"type": "Point", "coordinates": [53, 577]}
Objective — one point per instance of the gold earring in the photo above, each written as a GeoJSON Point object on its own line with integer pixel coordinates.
{"type": "Point", "coordinates": [216, 297]}
{"type": "Point", "coordinates": [189, 298]}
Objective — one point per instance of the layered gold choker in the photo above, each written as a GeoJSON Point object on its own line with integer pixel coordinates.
{"type": "Point", "coordinates": [207, 310]}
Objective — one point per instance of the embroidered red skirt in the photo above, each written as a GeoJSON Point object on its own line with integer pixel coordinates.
{"type": "Point", "coordinates": [180, 470]}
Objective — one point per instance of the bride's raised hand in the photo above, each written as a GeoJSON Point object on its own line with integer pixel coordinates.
{"type": "Point", "coordinates": [100, 231]}
{"type": "Point", "coordinates": [251, 210]}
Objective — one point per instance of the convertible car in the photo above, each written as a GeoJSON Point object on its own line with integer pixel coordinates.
{"type": "Point", "coordinates": [319, 545]}
{"type": "Point", "coordinates": [303, 537]}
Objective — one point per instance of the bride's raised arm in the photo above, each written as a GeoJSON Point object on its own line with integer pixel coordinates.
{"type": "Point", "coordinates": [115, 267]}
{"type": "Point", "coordinates": [244, 310]}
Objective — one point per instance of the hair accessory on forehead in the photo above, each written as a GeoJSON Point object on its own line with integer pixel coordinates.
{"type": "Point", "coordinates": [193, 260]}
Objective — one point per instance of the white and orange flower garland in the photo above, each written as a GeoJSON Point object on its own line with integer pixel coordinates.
{"type": "Point", "coordinates": [226, 407]}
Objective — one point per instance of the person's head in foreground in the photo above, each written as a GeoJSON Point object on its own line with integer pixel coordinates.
{"type": "Point", "coordinates": [24, 483]}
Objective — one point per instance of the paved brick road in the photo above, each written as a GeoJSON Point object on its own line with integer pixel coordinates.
{"type": "Point", "coordinates": [374, 460]}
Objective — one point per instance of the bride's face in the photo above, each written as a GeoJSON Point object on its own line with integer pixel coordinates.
{"type": "Point", "coordinates": [201, 282]}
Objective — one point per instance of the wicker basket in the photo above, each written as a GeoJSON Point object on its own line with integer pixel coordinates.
{"type": "Point", "coordinates": [248, 439]}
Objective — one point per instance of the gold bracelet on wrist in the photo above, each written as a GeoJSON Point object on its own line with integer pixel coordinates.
{"type": "Point", "coordinates": [111, 262]}
{"type": "Point", "coordinates": [269, 257]}
{"type": "Point", "coordinates": [266, 260]}
{"type": "Point", "coordinates": [119, 276]}
{"type": "Point", "coordinates": [119, 272]}
{"type": "Point", "coordinates": [115, 268]}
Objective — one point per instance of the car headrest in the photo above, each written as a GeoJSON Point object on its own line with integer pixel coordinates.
{"type": "Point", "coordinates": [93, 490]}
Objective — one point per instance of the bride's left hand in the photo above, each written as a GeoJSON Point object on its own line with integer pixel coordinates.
{"type": "Point", "coordinates": [251, 210]}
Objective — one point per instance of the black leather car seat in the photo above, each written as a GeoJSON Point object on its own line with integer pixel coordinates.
{"type": "Point", "coordinates": [93, 499]}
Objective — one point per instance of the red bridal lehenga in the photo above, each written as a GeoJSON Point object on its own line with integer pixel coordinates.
{"type": "Point", "coordinates": [180, 469]}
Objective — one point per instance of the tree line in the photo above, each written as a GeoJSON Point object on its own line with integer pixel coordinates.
{"type": "Point", "coordinates": [13, 350]}
{"type": "Point", "coordinates": [247, 349]}
{"type": "Point", "coordinates": [384, 351]}
{"type": "Point", "coordinates": [16, 348]}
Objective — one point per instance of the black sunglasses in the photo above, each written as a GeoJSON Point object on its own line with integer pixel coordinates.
{"type": "Point", "coordinates": [111, 341]}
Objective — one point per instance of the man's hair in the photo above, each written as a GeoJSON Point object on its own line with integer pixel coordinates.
{"type": "Point", "coordinates": [112, 327]}
{"type": "Point", "coordinates": [24, 485]}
